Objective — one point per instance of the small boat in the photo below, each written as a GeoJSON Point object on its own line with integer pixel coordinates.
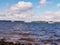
{"type": "Point", "coordinates": [50, 22]}
{"type": "Point", "coordinates": [12, 21]}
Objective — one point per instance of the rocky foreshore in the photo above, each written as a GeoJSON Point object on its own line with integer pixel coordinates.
{"type": "Point", "coordinates": [29, 41]}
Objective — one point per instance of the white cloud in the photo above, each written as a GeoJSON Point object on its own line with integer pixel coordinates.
{"type": "Point", "coordinates": [26, 16]}
{"type": "Point", "coordinates": [43, 2]}
{"type": "Point", "coordinates": [21, 6]}
{"type": "Point", "coordinates": [51, 16]}
{"type": "Point", "coordinates": [18, 11]}
{"type": "Point", "coordinates": [58, 5]}
{"type": "Point", "coordinates": [7, 5]}
{"type": "Point", "coordinates": [47, 16]}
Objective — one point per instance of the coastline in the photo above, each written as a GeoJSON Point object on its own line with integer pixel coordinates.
{"type": "Point", "coordinates": [49, 22]}
{"type": "Point", "coordinates": [29, 41]}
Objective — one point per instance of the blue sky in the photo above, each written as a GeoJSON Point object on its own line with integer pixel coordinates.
{"type": "Point", "coordinates": [35, 3]}
{"type": "Point", "coordinates": [40, 9]}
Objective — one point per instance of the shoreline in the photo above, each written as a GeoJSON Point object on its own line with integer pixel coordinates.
{"type": "Point", "coordinates": [48, 22]}
{"type": "Point", "coordinates": [29, 41]}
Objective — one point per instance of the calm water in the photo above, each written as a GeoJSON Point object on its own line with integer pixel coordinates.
{"type": "Point", "coordinates": [35, 30]}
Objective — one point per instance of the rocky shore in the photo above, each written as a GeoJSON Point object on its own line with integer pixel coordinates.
{"type": "Point", "coordinates": [29, 41]}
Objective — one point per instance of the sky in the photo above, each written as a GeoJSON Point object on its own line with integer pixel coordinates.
{"type": "Point", "coordinates": [30, 10]}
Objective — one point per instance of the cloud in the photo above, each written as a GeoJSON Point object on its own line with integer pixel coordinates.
{"type": "Point", "coordinates": [51, 16]}
{"type": "Point", "coordinates": [7, 5]}
{"type": "Point", "coordinates": [26, 16]}
{"type": "Point", "coordinates": [58, 5]}
{"type": "Point", "coordinates": [47, 16]}
{"type": "Point", "coordinates": [43, 2]}
{"type": "Point", "coordinates": [21, 6]}
{"type": "Point", "coordinates": [19, 11]}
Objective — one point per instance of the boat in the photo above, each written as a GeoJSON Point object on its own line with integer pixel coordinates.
{"type": "Point", "coordinates": [50, 22]}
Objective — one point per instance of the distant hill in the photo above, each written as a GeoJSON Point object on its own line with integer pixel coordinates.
{"type": "Point", "coordinates": [39, 21]}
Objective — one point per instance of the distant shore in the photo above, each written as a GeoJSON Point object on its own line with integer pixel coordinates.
{"type": "Point", "coordinates": [49, 22]}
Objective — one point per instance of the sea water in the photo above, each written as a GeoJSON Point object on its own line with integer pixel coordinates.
{"type": "Point", "coordinates": [35, 30]}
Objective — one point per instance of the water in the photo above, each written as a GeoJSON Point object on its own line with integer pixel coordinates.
{"type": "Point", "coordinates": [34, 30]}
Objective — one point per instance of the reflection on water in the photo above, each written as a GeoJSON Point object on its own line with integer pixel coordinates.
{"type": "Point", "coordinates": [18, 30]}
